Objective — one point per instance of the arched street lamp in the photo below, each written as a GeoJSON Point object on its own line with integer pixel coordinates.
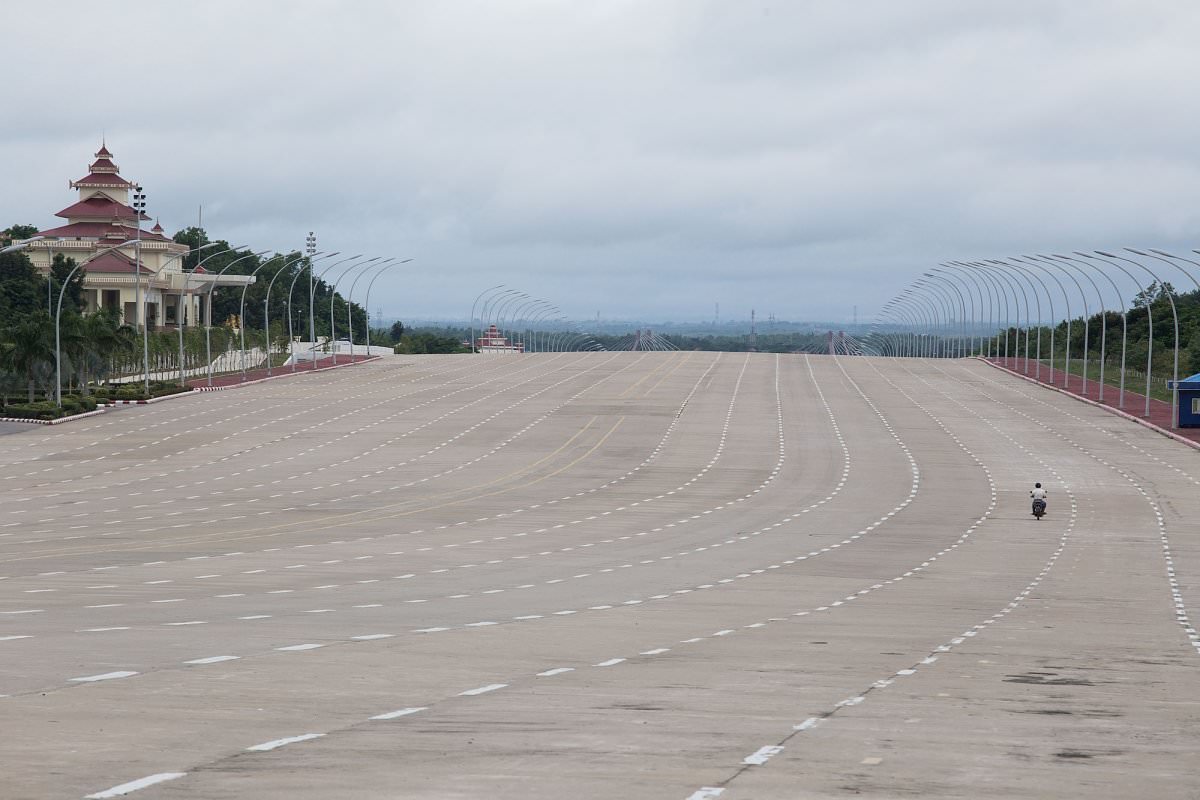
{"type": "Point", "coordinates": [58, 315]}
{"type": "Point", "coordinates": [1077, 265]}
{"type": "Point", "coordinates": [312, 282]}
{"type": "Point", "coordinates": [384, 266]}
{"type": "Point", "coordinates": [208, 308]}
{"type": "Point", "coordinates": [242, 314]}
{"type": "Point", "coordinates": [349, 310]}
{"type": "Point", "coordinates": [307, 257]}
{"type": "Point", "coordinates": [1025, 274]}
{"type": "Point", "coordinates": [179, 309]}
{"type": "Point", "coordinates": [1170, 293]}
{"type": "Point", "coordinates": [367, 300]}
{"type": "Point", "coordinates": [471, 322]}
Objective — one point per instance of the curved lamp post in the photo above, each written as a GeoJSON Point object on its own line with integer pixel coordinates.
{"type": "Point", "coordinates": [312, 293]}
{"type": "Point", "coordinates": [367, 301]}
{"type": "Point", "coordinates": [310, 257]}
{"type": "Point", "coordinates": [242, 314]}
{"type": "Point", "coordinates": [1076, 264]}
{"type": "Point", "coordinates": [384, 266]}
{"type": "Point", "coordinates": [208, 304]}
{"type": "Point", "coordinates": [333, 297]}
{"type": "Point", "coordinates": [1169, 291]}
{"type": "Point", "coordinates": [58, 316]}
{"type": "Point", "coordinates": [471, 322]}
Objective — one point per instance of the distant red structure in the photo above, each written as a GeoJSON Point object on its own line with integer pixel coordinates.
{"type": "Point", "coordinates": [493, 341]}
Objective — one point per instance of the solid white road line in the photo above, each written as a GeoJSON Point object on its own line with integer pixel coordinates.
{"type": "Point", "coordinates": [133, 786]}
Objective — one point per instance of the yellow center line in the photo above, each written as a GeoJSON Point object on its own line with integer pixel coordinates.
{"type": "Point", "coordinates": [679, 363]}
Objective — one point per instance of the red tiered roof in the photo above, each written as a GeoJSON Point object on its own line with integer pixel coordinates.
{"type": "Point", "coordinates": [103, 152]}
{"type": "Point", "coordinates": [99, 206]}
{"type": "Point", "coordinates": [113, 263]}
{"type": "Point", "coordinates": [100, 230]}
{"type": "Point", "coordinates": [101, 179]}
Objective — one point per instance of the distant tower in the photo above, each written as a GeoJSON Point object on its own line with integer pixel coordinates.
{"type": "Point", "coordinates": [753, 348]}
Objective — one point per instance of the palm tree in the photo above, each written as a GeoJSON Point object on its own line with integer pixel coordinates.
{"type": "Point", "coordinates": [30, 353]}
{"type": "Point", "coordinates": [109, 336]}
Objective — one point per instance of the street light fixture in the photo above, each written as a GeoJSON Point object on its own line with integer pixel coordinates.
{"type": "Point", "coordinates": [58, 316]}
{"type": "Point", "coordinates": [367, 301]}
{"type": "Point", "coordinates": [349, 310]}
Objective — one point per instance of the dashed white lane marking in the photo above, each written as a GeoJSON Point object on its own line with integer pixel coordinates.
{"type": "Point", "coordinates": [277, 743]}
{"type": "Point", "coordinates": [609, 663]}
{"type": "Point", "coordinates": [409, 432]}
{"type": "Point", "coordinates": [133, 786]}
{"type": "Point", "coordinates": [491, 687]}
{"type": "Point", "coordinates": [1181, 613]}
{"type": "Point", "coordinates": [403, 712]}
{"type": "Point", "coordinates": [10, 638]}
{"type": "Point", "coordinates": [104, 630]}
{"type": "Point", "coordinates": [212, 660]}
{"type": "Point", "coordinates": [762, 755]}
{"type": "Point", "coordinates": [234, 434]}
{"type": "Point", "coordinates": [297, 647]}
{"type": "Point", "coordinates": [610, 483]}
{"type": "Point", "coordinates": [556, 671]}
{"type": "Point", "coordinates": [107, 676]}
{"type": "Point", "coordinates": [706, 793]}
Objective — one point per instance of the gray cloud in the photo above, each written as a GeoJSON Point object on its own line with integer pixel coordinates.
{"type": "Point", "coordinates": [643, 159]}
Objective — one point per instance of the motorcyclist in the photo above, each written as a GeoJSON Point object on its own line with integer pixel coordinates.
{"type": "Point", "coordinates": [1039, 495]}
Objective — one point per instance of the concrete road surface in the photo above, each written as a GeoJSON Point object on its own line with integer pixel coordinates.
{"type": "Point", "coordinates": [633, 575]}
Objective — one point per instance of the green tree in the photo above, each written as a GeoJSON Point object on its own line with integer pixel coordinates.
{"type": "Point", "coordinates": [29, 350]}
{"type": "Point", "coordinates": [193, 237]}
{"type": "Point", "coordinates": [397, 331]}
{"type": "Point", "coordinates": [22, 290]}
{"type": "Point", "coordinates": [59, 270]}
{"type": "Point", "coordinates": [14, 232]}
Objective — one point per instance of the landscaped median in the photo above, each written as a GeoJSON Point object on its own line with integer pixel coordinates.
{"type": "Point", "coordinates": [47, 412]}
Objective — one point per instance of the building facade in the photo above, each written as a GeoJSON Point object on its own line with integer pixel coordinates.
{"type": "Point", "coordinates": [102, 218]}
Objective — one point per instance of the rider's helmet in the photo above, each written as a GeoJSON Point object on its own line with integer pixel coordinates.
{"type": "Point", "coordinates": [1037, 486]}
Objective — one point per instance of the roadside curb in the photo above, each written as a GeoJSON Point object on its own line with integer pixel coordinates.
{"type": "Point", "coordinates": [147, 402]}
{"type": "Point", "coordinates": [58, 421]}
{"type": "Point", "coordinates": [176, 395]}
{"type": "Point", "coordinates": [1108, 408]}
{"type": "Point", "coordinates": [277, 377]}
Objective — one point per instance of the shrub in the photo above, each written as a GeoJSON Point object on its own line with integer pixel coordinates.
{"type": "Point", "coordinates": [43, 409]}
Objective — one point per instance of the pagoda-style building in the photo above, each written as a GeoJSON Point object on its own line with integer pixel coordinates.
{"type": "Point", "coordinates": [103, 217]}
{"type": "Point", "coordinates": [493, 341]}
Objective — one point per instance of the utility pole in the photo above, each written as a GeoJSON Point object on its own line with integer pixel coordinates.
{"type": "Point", "coordinates": [753, 334]}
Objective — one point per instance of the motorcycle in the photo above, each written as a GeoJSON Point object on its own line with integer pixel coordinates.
{"type": "Point", "coordinates": [1039, 508]}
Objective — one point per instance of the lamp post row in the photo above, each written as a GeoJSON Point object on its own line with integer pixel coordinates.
{"type": "Point", "coordinates": [933, 312]}
{"type": "Point", "coordinates": [138, 205]}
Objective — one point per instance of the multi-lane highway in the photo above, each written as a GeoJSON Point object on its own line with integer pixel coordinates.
{"type": "Point", "coordinates": [634, 575]}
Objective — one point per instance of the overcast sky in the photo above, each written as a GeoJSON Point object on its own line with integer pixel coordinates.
{"type": "Point", "coordinates": [641, 159]}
